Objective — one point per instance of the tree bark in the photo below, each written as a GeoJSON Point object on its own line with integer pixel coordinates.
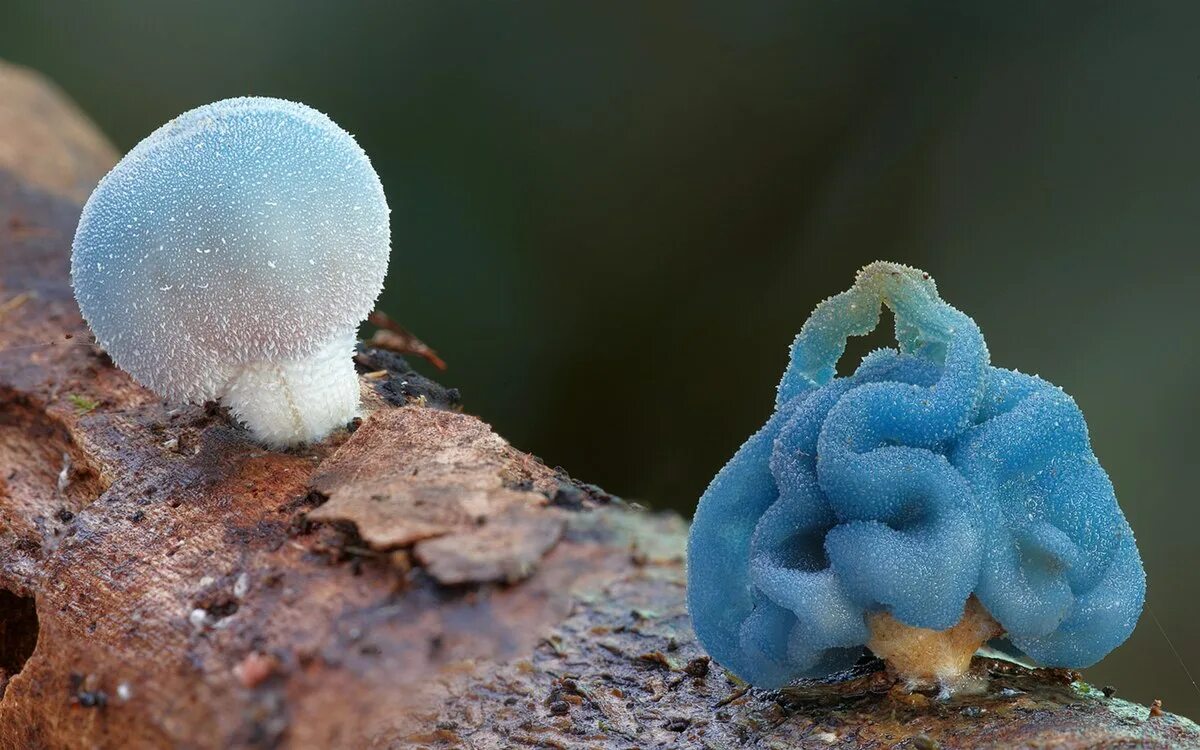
{"type": "Point", "coordinates": [418, 582]}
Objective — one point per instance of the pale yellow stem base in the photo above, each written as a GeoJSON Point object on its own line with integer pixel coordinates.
{"type": "Point", "coordinates": [927, 658]}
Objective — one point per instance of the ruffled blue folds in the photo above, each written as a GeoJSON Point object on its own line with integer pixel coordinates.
{"type": "Point", "coordinates": [923, 478]}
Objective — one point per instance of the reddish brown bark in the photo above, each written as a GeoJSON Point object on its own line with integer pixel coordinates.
{"type": "Point", "coordinates": [418, 583]}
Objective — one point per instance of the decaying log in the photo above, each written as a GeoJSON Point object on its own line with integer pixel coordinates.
{"type": "Point", "coordinates": [417, 582]}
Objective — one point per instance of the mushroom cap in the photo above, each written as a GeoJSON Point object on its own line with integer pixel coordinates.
{"type": "Point", "coordinates": [247, 230]}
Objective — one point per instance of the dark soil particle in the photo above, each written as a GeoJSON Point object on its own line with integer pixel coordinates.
{"type": "Point", "coordinates": [222, 609]}
{"type": "Point", "coordinates": [573, 494]}
{"type": "Point", "coordinates": [697, 667]}
{"type": "Point", "coordinates": [84, 692]}
{"type": "Point", "coordinates": [404, 384]}
{"type": "Point", "coordinates": [569, 497]}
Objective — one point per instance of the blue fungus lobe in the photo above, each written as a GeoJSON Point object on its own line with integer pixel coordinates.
{"type": "Point", "coordinates": [231, 255]}
{"type": "Point", "coordinates": [924, 478]}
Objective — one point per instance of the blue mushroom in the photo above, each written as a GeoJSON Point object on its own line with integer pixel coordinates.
{"type": "Point", "coordinates": [231, 256]}
{"type": "Point", "coordinates": [928, 498]}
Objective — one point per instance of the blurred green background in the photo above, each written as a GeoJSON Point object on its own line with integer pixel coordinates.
{"type": "Point", "coordinates": [611, 218]}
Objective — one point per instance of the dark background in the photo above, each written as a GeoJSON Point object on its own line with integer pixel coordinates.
{"type": "Point", "coordinates": [611, 219]}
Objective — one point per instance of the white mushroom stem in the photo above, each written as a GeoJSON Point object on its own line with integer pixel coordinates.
{"type": "Point", "coordinates": [297, 401]}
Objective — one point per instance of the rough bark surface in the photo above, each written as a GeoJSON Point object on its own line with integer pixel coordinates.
{"type": "Point", "coordinates": [418, 582]}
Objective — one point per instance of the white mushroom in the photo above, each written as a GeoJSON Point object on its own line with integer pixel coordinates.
{"type": "Point", "coordinates": [231, 256]}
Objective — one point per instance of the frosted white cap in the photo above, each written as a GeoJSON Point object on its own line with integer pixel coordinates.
{"type": "Point", "coordinates": [248, 231]}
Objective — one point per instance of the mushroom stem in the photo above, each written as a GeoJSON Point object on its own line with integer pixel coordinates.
{"type": "Point", "coordinates": [297, 401]}
{"type": "Point", "coordinates": [928, 658]}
